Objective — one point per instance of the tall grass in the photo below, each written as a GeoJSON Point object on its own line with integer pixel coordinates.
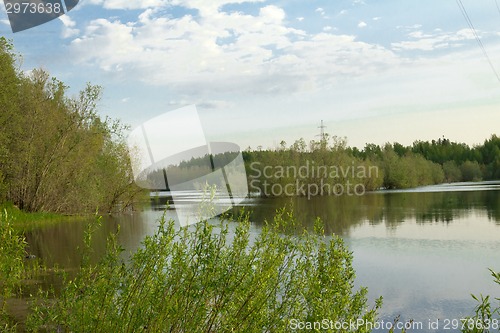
{"type": "Point", "coordinates": [12, 268]}
{"type": "Point", "coordinates": [212, 278]}
{"type": "Point", "coordinates": [23, 221]}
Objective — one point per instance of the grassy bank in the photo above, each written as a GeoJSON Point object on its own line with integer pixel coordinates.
{"type": "Point", "coordinates": [23, 221]}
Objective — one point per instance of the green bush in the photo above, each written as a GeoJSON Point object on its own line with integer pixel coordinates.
{"type": "Point", "coordinates": [487, 317]}
{"type": "Point", "coordinates": [213, 278]}
{"type": "Point", "coordinates": [12, 247]}
{"type": "Point", "coordinates": [452, 172]}
{"type": "Point", "coordinates": [471, 171]}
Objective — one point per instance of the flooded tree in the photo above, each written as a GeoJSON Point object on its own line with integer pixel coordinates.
{"type": "Point", "coordinates": [57, 153]}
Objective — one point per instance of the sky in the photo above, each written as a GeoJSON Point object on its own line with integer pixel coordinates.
{"type": "Point", "coordinates": [260, 72]}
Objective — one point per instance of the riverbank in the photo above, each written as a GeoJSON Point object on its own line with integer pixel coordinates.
{"type": "Point", "coordinates": [27, 221]}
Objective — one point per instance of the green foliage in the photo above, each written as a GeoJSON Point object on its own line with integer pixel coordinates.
{"type": "Point", "coordinates": [11, 268]}
{"type": "Point", "coordinates": [471, 171]}
{"type": "Point", "coordinates": [22, 221]}
{"type": "Point", "coordinates": [478, 162]}
{"type": "Point", "coordinates": [443, 150]}
{"type": "Point", "coordinates": [490, 152]}
{"type": "Point", "coordinates": [9, 115]}
{"type": "Point", "coordinates": [410, 170]}
{"type": "Point", "coordinates": [56, 153]}
{"type": "Point", "coordinates": [213, 278]}
{"type": "Point", "coordinates": [11, 254]}
{"type": "Point", "coordinates": [327, 168]}
{"type": "Point", "coordinates": [452, 172]}
{"type": "Point", "coordinates": [487, 317]}
{"type": "Point", "coordinates": [398, 166]}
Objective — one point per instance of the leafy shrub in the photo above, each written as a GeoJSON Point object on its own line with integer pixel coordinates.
{"type": "Point", "coordinates": [452, 172]}
{"type": "Point", "coordinates": [12, 247]}
{"type": "Point", "coordinates": [486, 318]}
{"type": "Point", "coordinates": [213, 278]}
{"type": "Point", "coordinates": [471, 171]}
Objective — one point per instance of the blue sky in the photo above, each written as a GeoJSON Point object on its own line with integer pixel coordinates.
{"type": "Point", "coordinates": [265, 71]}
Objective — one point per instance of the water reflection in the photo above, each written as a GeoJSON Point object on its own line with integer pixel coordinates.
{"type": "Point", "coordinates": [424, 251]}
{"type": "Point", "coordinates": [62, 244]}
{"type": "Point", "coordinates": [342, 214]}
{"type": "Point", "coordinates": [346, 216]}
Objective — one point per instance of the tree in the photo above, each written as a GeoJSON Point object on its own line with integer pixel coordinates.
{"type": "Point", "coordinates": [452, 172]}
{"type": "Point", "coordinates": [56, 153]}
{"type": "Point", "coordinates": [9, 111]}
{"type": "Point", "coordinates": [471, 171]}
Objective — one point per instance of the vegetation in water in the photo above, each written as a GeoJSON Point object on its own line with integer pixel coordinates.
{"type": "Point", "coordinates": [213, 278]}
{"type": "Point", "coordinates": [487, 315]}
{"type": "Point", "coordinates": [12, 269]}
{"type": "Point", "coordinates": [207, 278]}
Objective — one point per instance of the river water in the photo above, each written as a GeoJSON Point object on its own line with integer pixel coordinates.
{"type": "Point", "coordinates": [425, 250]}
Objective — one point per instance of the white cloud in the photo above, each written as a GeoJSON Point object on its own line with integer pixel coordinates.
{"type": "Point", "coordinates": [436, 40]}
{"type": "Point", "coordinates": [210, 7]}
{"type": "Point", "coordinates": [300, 19]}
{"type": "Point", "coordinates": [128, 4]}
{"type": "Point", "coordinates": [203, 6]}
{"type": "Point", "coordinates": [202, 103]}
{"type": "Point", "coordinates": [272, 14]}
{"type": "Point", "coordinates": [68, 27]}
{"type": "Point", "coordinates": [214, 104]}
{"type": "Point", "coordinates": [226, 52]}
{"type": "Point", "coordinates": [409, 27]}
{"type": "Point", "coordinates": [466, 34]}
{"type": "Point", "coordinates": [321, 12]}
{"type": "Point", "coordinates": [362, 25]}
{"type": "Point", "coordinates": [418, 34]}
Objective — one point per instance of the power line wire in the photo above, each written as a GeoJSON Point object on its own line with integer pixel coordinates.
{"type": "Point", "coordinates": [498, 7]}
{"type": "Point", "coordinates": [476, 36]}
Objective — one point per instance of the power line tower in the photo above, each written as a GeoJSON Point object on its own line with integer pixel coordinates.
{"type": "Point", "coordinates": [322, 131]}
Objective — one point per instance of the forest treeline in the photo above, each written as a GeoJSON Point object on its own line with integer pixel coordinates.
{"type": "Point", "coordinates": [56, 153]}
{"type": "Point", "coordinates": [330, 167]}
{"type": "Point", "coordinates": [330, 164]}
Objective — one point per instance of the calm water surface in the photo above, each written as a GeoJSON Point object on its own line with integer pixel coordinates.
{"type": "Point", "coordinates": [424, 250]}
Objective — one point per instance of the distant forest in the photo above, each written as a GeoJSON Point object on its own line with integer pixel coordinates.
{"type": "Point", "coordinates": [398, 166]}
{"type": "Point", "coordinates": [328, 166]}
